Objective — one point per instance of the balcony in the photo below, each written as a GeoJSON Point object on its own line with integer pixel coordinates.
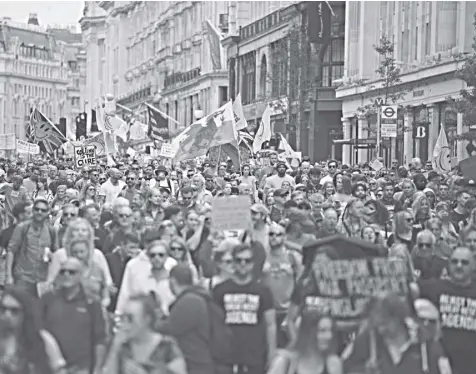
{"type": "Point", "coordinates": [262, 25]}
{"type": "Point", "coordinates": [139, 95]}
{"type": "Point", "coordinates": [180, 78]}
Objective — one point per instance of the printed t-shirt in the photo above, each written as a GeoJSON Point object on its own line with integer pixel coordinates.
{"type": "Point", "coordinates": [244, 307]}
{"type": "Point", "coordinates": [457, 307]}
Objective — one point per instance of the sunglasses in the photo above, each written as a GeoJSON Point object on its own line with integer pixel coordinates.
{"type": "Point", "coordinates": [68, 272]}
{"type": "Point", "coordinates": [227, 262]}
{"type": "Point", "coordinates": [14, 311]}
{"type": "Point", "coordinates": [177, 248]}
{"type": "Point", "coordinates": [102, 180]}
{"type": "Point", "coordinates": [69, 215]}
{"type": "Point", "coordinates": [243, 260]}
{"type": "Point", "coordinates": [95, 175]}
{"type": "Point", "coordinates": [409, 220]}
{"type": "Point", "coordinates": [40, 210]}
{"type": "Point", "coordinates": [160, 255]}
{"type": "Point", "coordinates": [125, 215]}
{"type": "Point", "coordinates": [130, 179]}
{"type": "Point", "coordinates": [277, 234]}
{"type": "Point", "coordinates": [422, 245]}
{"type": "Point", "coordinates": [455, 261]}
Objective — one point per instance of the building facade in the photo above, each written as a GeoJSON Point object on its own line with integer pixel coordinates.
{"type": "Point", "coordinates": [75, 59]}
{"type": "Point", "coordinates": [272, 62]}
{"type": "Point", "coordinates": [33, 73]}
{"type": "Point", "coordinates": [159, 52]}
{"type": "Point", "coordinates": [430, 40]}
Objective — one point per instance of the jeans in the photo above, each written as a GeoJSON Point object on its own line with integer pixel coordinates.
{"type": "Point", "coordinates": [28, 287]}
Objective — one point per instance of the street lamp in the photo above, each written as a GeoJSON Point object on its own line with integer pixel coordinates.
{"type": "Point", "coordinates": [198, 113]}
{"type": "Point", "coordinates": [86, 102]}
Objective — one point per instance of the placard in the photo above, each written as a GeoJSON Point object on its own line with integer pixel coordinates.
{"type": "Point", "coordinates": [166, 150]}
{"type": "Point", "coordinates": [85, 156]}
{"type": "Point", "coordinates": [376, 164]}
{"type": "Point", "coordinates": [7, 141]}
{"type": "Point", "coordinates": [25, 147]}
{"type": "Point", "coordinates": [468, 167]}
{"type": "Point", "coordinates": [231, 213]}
{"type": "Point", "coordinates": [345, 286]}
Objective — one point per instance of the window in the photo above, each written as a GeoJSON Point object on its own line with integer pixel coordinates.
{"type": "Point", "coordinates": [333, 64]}
{"type": "Point", "coordinates": [263, 76]}
{"type": "Point", "coordinates": [249, 77]}
{"type": "Point", "coordinates": [427, 39]}
{"type": "Point", "coordinates": [279, 69]}
{"type": "Point", "coordinates": [416, 44]}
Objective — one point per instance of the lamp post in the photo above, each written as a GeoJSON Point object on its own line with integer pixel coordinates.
{"type": "Point", "coordinates": [198, 113]}
{"type": "Point", "coordinates": [86, 102]}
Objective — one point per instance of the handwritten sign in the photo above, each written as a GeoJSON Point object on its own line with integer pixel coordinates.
{"type": "Point", "coordinates": [25, 147]}
{"type": "Point", "coordinates": [85, 156]}
{"type": "Point", "coordinates": [345, 286]}
{"type": "Point", "coordinates": [167, 150]}
{"type": "Point", "coordinates": [231, 213]}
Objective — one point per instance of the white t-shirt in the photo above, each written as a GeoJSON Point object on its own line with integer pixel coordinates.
{"type": "Point", "coordinates": [110, 191]}
{"type": "Point", "coordinates": [275, 181]}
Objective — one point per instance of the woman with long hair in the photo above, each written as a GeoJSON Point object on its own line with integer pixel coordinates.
{"type": "Point", "coordinates": [88, 195]}
{"type": "Point", "coordinates": [137, 347]}
{"type": "Point", "coordinates": [79, 229]}
{"type": "Point", "coordinates": [343, 186]}
{"type": "Point", "coordinates": [403, 230]}
{"type": "Point", "coordinates": [405, 197]}
{"type": "Point", "coordinates": [153, 207]}
{"type": "Point", "coordinates": [352, 220]}
{"type": "Point", "coordinates": [377, 215]}
{"type": "Point", "coordinates": [399, 252]}
{"type": "Point", "coordinates": [448, 231]}
{"type": "Point", "coordinates": [248, 178]}
{"type": "Point", "coordinates": [421, 211]}
{"type": "Point", "coordinates": [328, 191]}
{"type": "Point", "coordinates": [42, 190]}
{"type": "Point", "coordinates": [313, 351]}
{"type": "Point", "coordinates": [24, 348]}
{"type": "Point", "coordinates": [180, 252]}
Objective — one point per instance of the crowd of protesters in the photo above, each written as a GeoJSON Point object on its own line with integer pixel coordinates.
{"type": "Point", "coordinates": [119, 270]}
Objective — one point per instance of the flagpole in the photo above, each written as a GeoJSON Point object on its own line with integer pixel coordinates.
{"type": "Point", "coordinates": [162, 113]}
{"type": "Point", "coordinates": [219, 155]}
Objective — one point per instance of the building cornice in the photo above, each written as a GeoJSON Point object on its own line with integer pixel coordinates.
{"type": "Point", "coordinates": [406, 78]}
{"type": "Point", "coordinates": [230, 40]}
{"type": "Point", "coordinates": [211, 75]}
{"type": "Point", "coordinates": [87, 22]}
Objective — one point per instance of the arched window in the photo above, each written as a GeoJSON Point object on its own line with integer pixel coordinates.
{"type": "Point", "coordinates": [333, 63]}
{"type": "Point", "coordinates": [263, 76]}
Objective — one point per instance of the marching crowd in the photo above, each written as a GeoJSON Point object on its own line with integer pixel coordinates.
{"type": "Point", "coordinates": [120, 270]}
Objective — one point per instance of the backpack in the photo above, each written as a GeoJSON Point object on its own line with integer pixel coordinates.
{"type": "Point", "coordinates": [220, 333]}
{"type": "Point", "coordinates": [23, 240]}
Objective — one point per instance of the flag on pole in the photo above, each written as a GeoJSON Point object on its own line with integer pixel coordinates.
{"type": "Point", "coordinates": [158, 126]}
{"type": "Point", "coordinates": [441, 161]}
{"type": "Point", "coordinates": [264, 131]}
{"type": "Point", "coordinates": [214, 41]}
{"type": "Point", "coordinates": [240, 120]}
{"type": "Point", "coordinates": [138, 131]}
{"type": "Point", "coordinates": [216, 129]}
{"type": "Point", "coordinates": [44, 133]}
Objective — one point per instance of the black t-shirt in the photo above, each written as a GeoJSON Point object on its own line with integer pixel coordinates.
{"type": "Point", "coordinates": [457, 306]}
{"type": "Point", "coordinates": [245, 306]}
{"type": "Point", "coordinates": [456, 218]}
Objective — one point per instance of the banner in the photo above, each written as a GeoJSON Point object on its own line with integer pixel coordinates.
{"type": "Point", "coordinates": [85, 156]}
{"type": "Point", "coordinates": [7, 141]}
{"type": "Point", "coordinates": [25, 147]}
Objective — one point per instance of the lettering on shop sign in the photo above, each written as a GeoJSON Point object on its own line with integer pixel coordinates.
{"type": "Point", "coordinates": [458, 312]}
{"type": "Point", "coordinates": [345, 286]}
{"type": "Point", "coordinates": [241, 308]}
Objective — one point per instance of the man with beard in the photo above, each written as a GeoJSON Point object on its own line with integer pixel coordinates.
{"type": "Point", "coordinates": [455, 298]}
{"type": "Point", "coordinates": [250, 314]}
{"type": "Point", "coordinates": [359, 190]}
{"type": "Point", "coordinates": [130, 190]}
{"type": "Point", "coordinates": [276, 181]}
{"type": "Point", "coordinates": [14, 193]}
{"type": "Point", "coordinates": [111, 189]}
{"type": "Point", "coordinates": [30, 182]}
{"type": "Point", "coordinates": [331, 171]}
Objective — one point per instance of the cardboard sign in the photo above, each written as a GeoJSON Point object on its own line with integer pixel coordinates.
{"type": "Point", "coordinates": [376, 164]}
{"type": "Point", "coordinates": [25, 147]}
{"type": "Point", "coordinates": [85, 156]}
{"type": "Point", "coordinates": [167, 151]}
{"type": "Point", "coordinates": [345, 286]}
{"type": "Point", "coordinates": [231, 213]}
{"type": "Point", "coordinates": [468, 167]}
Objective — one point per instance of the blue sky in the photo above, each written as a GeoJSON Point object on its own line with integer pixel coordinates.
{"type": "Point", "coordinates": [49, 12]}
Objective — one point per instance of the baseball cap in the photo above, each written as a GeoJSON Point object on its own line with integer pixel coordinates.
{"type": "Point", "coordinates": [279, 192]}
{"type": "Point", "coordinates": [259, 208]}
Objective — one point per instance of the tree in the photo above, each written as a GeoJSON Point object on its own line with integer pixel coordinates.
{"type": "Point", "coordinates": [389, 72]}
{"type": "Point", "coordinates": [290, 77]}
